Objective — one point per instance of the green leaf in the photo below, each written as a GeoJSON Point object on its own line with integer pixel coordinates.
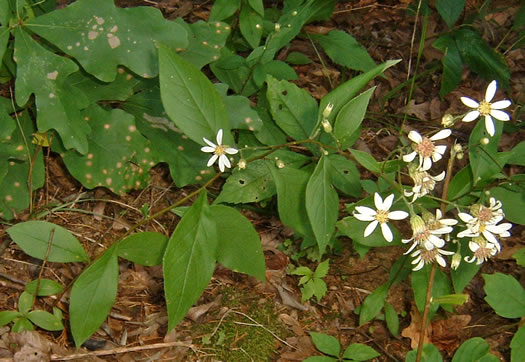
{"type": "Point", "coordinates": [93, 295]}
{"type": "Point", "coordinates": [320, 359]}
{"type": "Point", "coordinates": [485, 161]}
{"type": "Point", "coordinates": [350, 117]}
{"type": "Point", "coordinates": [450, 10]}
{"type": "Point", "coordinates": [303, 270]}
{"type": "Point", "coordinates": [517, 346]}
{"type": "Point", "coordinates": [430, 354]}
{"type": "Point", "coordinates": [520, 257]}
{"type": "Point", "coordinates": [43, 73]}
{"type": "Point", "coordinates": [465, 271]}
{"type": "Point", "coordinates": [373, 304]}
{"type": "Point", "coordinates": [345, 175]}
{"type": "Point", "coordinates": [291, 188]}
{"type": "Point", "coordinates": [419, 286]}
{"type": "Point", "coordinates": [252, 184]}
{"type": "Point", "coordinates": [452, 64]}
{"type": "Point", "coordinates": [119, 157]}
{"type": "Point", "coordinates": [186, 161]}
{"type": "Point", "coordinates": [517, 156]}
{"type": "Point", "coordinates": [189, 260]}
{"type": "Point", "coordinates": [512, 196]}
{"type": "Point", "coordinates": [241, 114]}
{"type": "Point", "coordinates": [456, 299]}
{"type": "Point", "coordinates": [33, 238]}
{"type": "Point", "coordinates": [25, 302]}
{"type": "Point", "coordinates": [366, 160]}
{"type": "Point", "coordinates": [239, 246]}
{"type": "Point", "coordinates": [22, 324]}
{"type": "Point", "coordinates": [322, 203]}
{"type": "Point", "coordinates": [392, 320]}
{"type": "Point", "coordinates": [461, 183]}
{"type": "Point", "coordinates": [481, 57]}
{"type": "Point", "coordinates": [257, 5]}
{"type": "Point", "coordinates": [45, 320]}
{"type": "Point", "coordinates": [191, 100]}
{"type": "Point", "coordinates": [474, 350]}
{"type": "Point", "coordinates": [326, 344]}
{"type": "Point", "coordinates": [101, 36]}
{"type": "Point", "coordinates": [355, 230]}
{"type": "Point", "coordinates": [505, 295]}
{"type": "Point", "coordinates": [279, 70]}
{"type": "Point", "coordinates": [144, 248]}
{"type": "Point", "coordinates": [296, 58]}
{"type": "Point", "coordinates": [322, 269]}
{"type": "Point", "coordinates": [360, 352]}
{"type": "Point", "coordinates": [348, 90]}
{"type": "Point", "coordinates": [7, 316]}
{"type": "Point", "coordinates": [46, 287]}
{"type": "Point", "coordinates": [223, 9]}
{"type": "Point", "coordinates": [95, 90]}
{"type": "Point", "coordinates": [250, 24]}
{"type": "Point", "coordinates": [319, 288]}
{"type": "Point", "coordinates": [4, 38]}
{"type": "Point", "coordinates": [293, 109]}
{"type": "Point", "coordinates": [344, 50]}
{"type": "Point", "coordinates": [308, 289]}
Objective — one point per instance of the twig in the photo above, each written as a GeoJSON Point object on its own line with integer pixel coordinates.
{"type": "Point", "coordinates": [423, 325]}
{"type": "Point", "coordinates": [55, 357]}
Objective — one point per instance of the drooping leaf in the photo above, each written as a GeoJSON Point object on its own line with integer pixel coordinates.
{"type": "Point", "coordinates": [189, 260]}
{"type": "Point", "coordinates": [293, 109]}
{"type": "Point", "coordinates": [45, 288]}
{"type": "Point", "coordinates": [93, 295]}
{"type": "Point", "coordinates": [253, 184]}
{"type": "Point", "coordinates": [450, 10]}
{"type": "Point", "coordinates": [326, 344]}
{"type": "Point", "coordinates": [223, 9]}
{"type": "Point", "coordinates": [452, 64]}
{"type": "Point", "coordinates": [373, 304]}
{"type": "Point", "coordinates": [43, 73]}
{"type": "Point", "coordinates": [238, 246]}
{"type": "Point", "coordinates": [505, 295]}
{"type": "Point", "coordinates": [350, 117]}
{"type": "Point", "coordinates": [191, 100]}
{"type": "Point", "coordinates": [322, 203]}
{"type": "Point", "coordinates": [145, 248]}
{"type": "Point", "coordinates": [474, 350]}
{"type": "Point", "coordinates": [344, 50]}
{"type": "Point", "coordinates": [101, 36]}
{"type": "Point", "coordinates": [119, 156]}
{"type": "Point", "coordinates": [33, 237]}
{"type": "Point", "coordinates": [45, 320]}
{"type": "Point", "coordinates": [360, 352]}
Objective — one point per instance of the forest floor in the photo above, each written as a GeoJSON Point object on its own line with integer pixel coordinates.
{"type": "Point", "coordinates": [239, 318]}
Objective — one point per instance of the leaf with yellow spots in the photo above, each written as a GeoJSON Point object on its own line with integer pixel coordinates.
{"type": "Point", "coordinates": [119, 157]}
{"type": "Point", "coordinates": [101, 36]}
{"type": "Point", "coordinates": [58, 104]}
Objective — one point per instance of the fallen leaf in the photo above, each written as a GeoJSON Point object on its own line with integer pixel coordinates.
{"type": "Point", "coordinates": [196, 312]}
{"type": "Point", "coordinates": [31, 346]}
{"type": "Point", "coordinates": [412, 331]}
{"type": "Point", "coordinates": [447, 334]}
{"type": "Point", "coordinates": [421, 110]}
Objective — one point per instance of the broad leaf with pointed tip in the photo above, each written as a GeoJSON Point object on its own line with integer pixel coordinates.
{"type": "Point", "coordinates": [119, 156]}
{"type": "Point", "coordinates": [58, 105]}
{"type": "Point", "coordinates": [101, 36]}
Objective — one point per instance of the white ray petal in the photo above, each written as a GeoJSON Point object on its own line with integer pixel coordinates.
{"type": "Point", "coordinates": [501, 104]}
{"type": "Point", "coordinates": [387, 233]}
{"type": "Point", "coordinates": [370, 228]}
{"type": "Point", "coordinates": [415, 137]}
{"type": "Point", "coordinates": [489, 125]}
{"type": "Point", "coordinates": [444, 133]}
{"type": "Point", "coordinates": [469, 102]}
{"type": "Point", "coordinates": [499, 115]}
{"type": "Point", "coordinates": [397, 215]}
{"type": "Point", "coordinates": [491, 91]}
{"type": "Point", "coordinates": [470, 116]}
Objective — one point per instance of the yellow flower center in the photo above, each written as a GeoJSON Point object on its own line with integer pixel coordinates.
{"type": "Point", "coordinates": [484, 108]}
{"type": "Point", "coordinates": [382, 216]}
{"type": "Point", "coordinates": [483, 253]}
{"type": "Point", "coordinates": [429, 256]}
{"type": "Point", "coordinates": [426, 147]}
{"type": "Point", "coordinates": [484, 214]}
{"type": "Point", "coordinates": [220, 150]}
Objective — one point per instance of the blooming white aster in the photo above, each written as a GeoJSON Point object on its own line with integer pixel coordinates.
{"type": "Point", "coordinates": [423, 182]}
{"type": "Point", "coordinates": [481, 249]}
{"type": "Point", "coordinates": [437, 222]}
{"type": "Point", "coordinates": [380, 216]}
{"type": "Point", "coordinates": [426, 149]}
{"type": "Point", "coordinates": [489, 231]}
{"type": "Point", "coordinates": [219, 152]}
{"type": "Point", "coordinates": [487, 109]}
{"type": "Point", "coordinates": [425, 237]}
{"type": "Point", "coordinates": [424, 256]}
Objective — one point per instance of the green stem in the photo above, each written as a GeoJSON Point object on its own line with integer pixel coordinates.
{"type": "Point", "coordinates": [423, 325]}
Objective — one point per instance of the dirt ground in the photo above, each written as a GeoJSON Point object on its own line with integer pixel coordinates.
{"type": "Point", "coordinates": [239, 318]}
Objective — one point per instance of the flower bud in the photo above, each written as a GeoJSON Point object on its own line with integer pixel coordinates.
{"type": "Point", "coordinates": [485, 141]}
{"type": "Point", "coordinates": [458, 148]}
{"type": "Point", "coordinates": [280, 163]}
{"type": "Point", "coordinates": [326, 126]}
{"type": "Point", "coordinates": [277, 27]}
{"type": "Point", "coordinates": [242, 164]}
{"type": "Point", "coordinates": [257, 26]}
{"type": "Point", "coordinates": [418, 224]}
{"type": "Point", "coordinates": [447, 120]}
{"type": "Point", "coordinates": [459, 156]}
{"type": "Point", "coordinates": [294, 13]}
{"type": "Point", "coordinates": [456, 260]}
{"type": "Point", "coordinates": [328, 110]}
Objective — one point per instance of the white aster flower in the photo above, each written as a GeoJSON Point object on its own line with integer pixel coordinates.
{"type": "Point", "coordinates": [380, 216]}
{"type": "Point", "coordinates": [424, 256]}
{"type": "Point", "coordinates": [438, 223]}
{"type": "Point", "coordinates": [426, 149]}
{"type": "Point", "coordinates": [219, 151]}
{"type": "Point", "coordinates": [489, 231]}
{"type": "Point", "coordinates": [487, 109]}
{"type": "Point", "coordinates": [425, 237]}
{"type": "Point", "coordinates": [423, 182]}
{"type": "Point", "coordinates": [481, 250]}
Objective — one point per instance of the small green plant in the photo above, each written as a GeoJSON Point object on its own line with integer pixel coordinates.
{"type": "Point", "coordinates": [26, 317]}
{"type": "Point", "coordinates": [331, 347]}
{"type": "Point", "coordinates": [312, 282]}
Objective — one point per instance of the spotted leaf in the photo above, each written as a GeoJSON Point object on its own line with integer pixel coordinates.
{"type": "Point", "coordinates": [119, 156]}
{"type": "Point", "coordinates": [101, 36]}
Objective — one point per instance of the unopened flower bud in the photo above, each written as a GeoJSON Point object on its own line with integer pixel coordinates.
{"type": "Point", "coordinates": [485, 141]}
{"type": "Point", "coordinates": [294, 13]}
{"type": "Point", "coordinates": [257, 26]}
{"type": "Point", "coordinates": [328, 110]}
{"type": "Point", "coordinates": [326, 126]}
{"type": "Point", "coordinates": [447, 120]}
{"type": "Point", "coordinates": [458, 148]}
{"type": "Point", "coordinates": [459, 156]}
{"type": "Point", "coordinates": [418, 224]}
{"type": "Point", "coordinates": [456, 260]}
{"type": "Point", "coordinates": [242, 164]}
{"type": "Point", "coordinates": [280, 163]}
{"type": "Point", "coordinates": [277, 27]}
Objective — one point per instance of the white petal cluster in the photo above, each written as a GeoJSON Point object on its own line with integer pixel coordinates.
{"type": "Point", "coordinates": [425, 148]}
{"type": "Point", "coordinates": [424, 182]}
{"type": "Point", "coordinates": [486, 109]}
{"type": "Point", "coordinates": [380, 216]}
{"type": "Point", "coordinates": [219, 151]}
{"type": "Point", "coordinates": [423, 256]}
